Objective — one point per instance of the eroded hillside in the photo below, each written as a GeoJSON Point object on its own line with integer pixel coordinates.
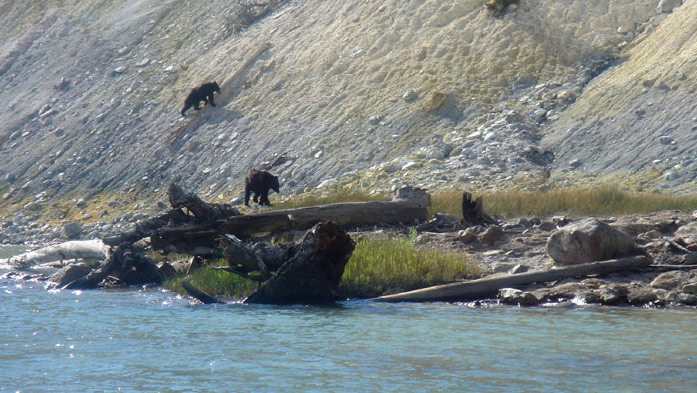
{"type": "Point", "coordinates": [369, 94]}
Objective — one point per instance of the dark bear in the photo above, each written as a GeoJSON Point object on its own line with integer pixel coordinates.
{"type": "Point", "coordinates": [202, 93]}
{"type": "Point", "coordinates": [259, 183]}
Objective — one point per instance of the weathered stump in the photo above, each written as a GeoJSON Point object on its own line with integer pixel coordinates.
{"type": "Point", "coordinates": [312, 275]}
{"type": "Point", "coordinates": [473, 212]}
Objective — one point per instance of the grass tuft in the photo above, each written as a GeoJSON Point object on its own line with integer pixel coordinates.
{"type": "Point", "coordinates": [214, 282]}
{"type": "Point", "coordinates": [574, 202]}
{"type": "Point", "coordinates": [382, 266]}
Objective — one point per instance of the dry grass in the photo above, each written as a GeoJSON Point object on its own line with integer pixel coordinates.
{"type": "Point", "coordinates": [575, 202]}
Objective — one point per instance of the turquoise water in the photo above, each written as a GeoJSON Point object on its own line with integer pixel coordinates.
{"type": "Point", "coordinates": [147, 340]}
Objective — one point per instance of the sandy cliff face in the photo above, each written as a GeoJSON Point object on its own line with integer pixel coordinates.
{"type": "Point", "coordinates": [363, 93]}
{"type": "Point", "coordinates": [640, 115]}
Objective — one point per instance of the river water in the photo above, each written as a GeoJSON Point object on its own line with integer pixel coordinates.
{"type": "Point", "coordinates": [149, 340]}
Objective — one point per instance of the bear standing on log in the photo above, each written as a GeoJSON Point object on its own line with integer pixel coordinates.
{"type": "Point", "coordinates": [202, 93]}
{"type": "Point", "coordinates": [260, 183]}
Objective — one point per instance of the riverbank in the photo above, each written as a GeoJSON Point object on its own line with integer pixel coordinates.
{"type": "Point", "coordinates": [519, 245]}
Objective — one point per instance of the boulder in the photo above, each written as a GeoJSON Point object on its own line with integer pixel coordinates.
{"type": "Point", "coordinates": [568, 290]}
{"type": "Point", "coordinates": [687, 299]}
{"type": "Point", "coordinates": [491, 235]}
{"type": "Point", "coordinates": [669, 280]}
{"type": "Point", "coordinates": [612, 294]}
{"type": "Point", "coordinates": [518, 297]}
{"type": "Point", "coordinates": [72, 230]}
{"type": "Point", "coordinates": [589, 240]}
{"type": "Point", "coordinates": [640, 296]}
{"type": "Point", "coordinates": [687, 234]}
{"type": "Point", "coordinates": [69, 274]}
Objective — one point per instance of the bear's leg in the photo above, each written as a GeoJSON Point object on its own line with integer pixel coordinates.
{"type": "Point", "coordinates": [247, 192]}
{"type": "Point", "coordinates": [265, 198]}
{"type": "Point", "coordinates": [256, 197]}
{"type": "Point", "coordinates": [186, 107]}
{"type": "Point", "coordinates": [210, 99]}
{"type": "Point", "coordinates": [196, 106]}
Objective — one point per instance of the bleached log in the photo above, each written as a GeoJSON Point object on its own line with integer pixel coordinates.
{"type": "Point", "coordinates": [408, 206]}
{"type": "Point", "coordinates": [76, 249]}
{"type": "Point", "coordinates": [489, 286]}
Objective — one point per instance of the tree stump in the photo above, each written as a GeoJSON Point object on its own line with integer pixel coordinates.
{"type": "Point", "coordinates": [313, 273]}
{"type": "Point", "coordinates": [473, 212]}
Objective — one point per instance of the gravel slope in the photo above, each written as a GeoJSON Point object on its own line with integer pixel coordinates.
{"type": "Point", "coordinates": [365, 94]}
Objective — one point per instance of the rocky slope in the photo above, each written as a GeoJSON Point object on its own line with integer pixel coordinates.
{"type": "Point", "coordinates": [442, 94]}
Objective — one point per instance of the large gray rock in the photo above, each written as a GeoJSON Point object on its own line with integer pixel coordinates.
{"type": "Point", "coordinates": [72, 230]}
{"type": "Point", "coordinates": [589, 240]}
{"type": "Point", "coordinates": [69, 274]}
{"type": "Point", "coordinates": [670, 280]}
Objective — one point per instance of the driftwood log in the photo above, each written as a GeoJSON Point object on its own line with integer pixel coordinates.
{"type": "Point", "coordinates": [307, 273]}
{"type": "Point", "coordinates": [77, 249]}
{"type": "Point", "coordinates": [473, 212]}
{"type": "Point", "coordinates": [487, 287]}
{"type": "Point", "coordinates": [126, 264]}
{"type": "Point", "coordinates": [187, 209]}
{"type": "Point", "coordinates": [203, 297]}
{"type": "Point", "coordinates": [409, 206]}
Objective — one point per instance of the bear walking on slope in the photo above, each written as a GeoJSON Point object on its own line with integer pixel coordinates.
{"type": "Point", "coordinates": [202, 93]}
{"type": "Point", "coordinates": [260, 183]}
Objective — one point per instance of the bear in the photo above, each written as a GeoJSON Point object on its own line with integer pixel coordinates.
{"type": "Point", "coordinates": [202, 93]}
{"type": "Point", "coordinates": [259, 183]}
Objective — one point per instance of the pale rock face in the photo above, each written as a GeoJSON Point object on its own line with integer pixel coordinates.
{"type": "Point", "coordinates": [668, 5]}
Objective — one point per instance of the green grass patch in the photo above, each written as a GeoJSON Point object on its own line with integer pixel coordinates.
{"type": "Point", "coordinates": [377, 266]}
{"type": "Point", "coordinates": [574, 202]}
{"type": "Point", "coordinates": [382, 266]}
{"type": "Point", "coordinates": [214, 282]}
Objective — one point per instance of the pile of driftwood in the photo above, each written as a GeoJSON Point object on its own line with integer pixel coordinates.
{"type": "Point", "coordinates": [308, 271]}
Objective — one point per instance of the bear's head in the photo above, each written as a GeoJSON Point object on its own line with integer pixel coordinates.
{"type": "Point", "coordinates": [216, 88]}
{"type": "Point", "coordinates": [274, 184]}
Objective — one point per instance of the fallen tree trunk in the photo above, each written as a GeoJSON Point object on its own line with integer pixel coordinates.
{"type": "Point", "coordinates": [200, 212]}
{"type": "Point", "coordinates": [408, 206]}
{"type": "Point", "coordinates": [489, 286]}
{"type": "Point", "coordinates": [77, 249]}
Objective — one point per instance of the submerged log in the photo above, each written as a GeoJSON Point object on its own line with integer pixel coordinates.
{"type": "Point", "coordinates": [203, 297]}
{"type": "Point", "coordinates": [473, 212]}
{"type": "Point", "coordinates": [489, 286]}
{"type": "Point", "coordinates": [77, 249]}
{"type": "Point", "coordinates": [313, 274]}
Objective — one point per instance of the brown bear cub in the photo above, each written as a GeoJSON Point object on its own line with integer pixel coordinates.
{"type": "Point", "coordinates": [259, 183]}
{"type": "Point", "coordinates": [202, 93]}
